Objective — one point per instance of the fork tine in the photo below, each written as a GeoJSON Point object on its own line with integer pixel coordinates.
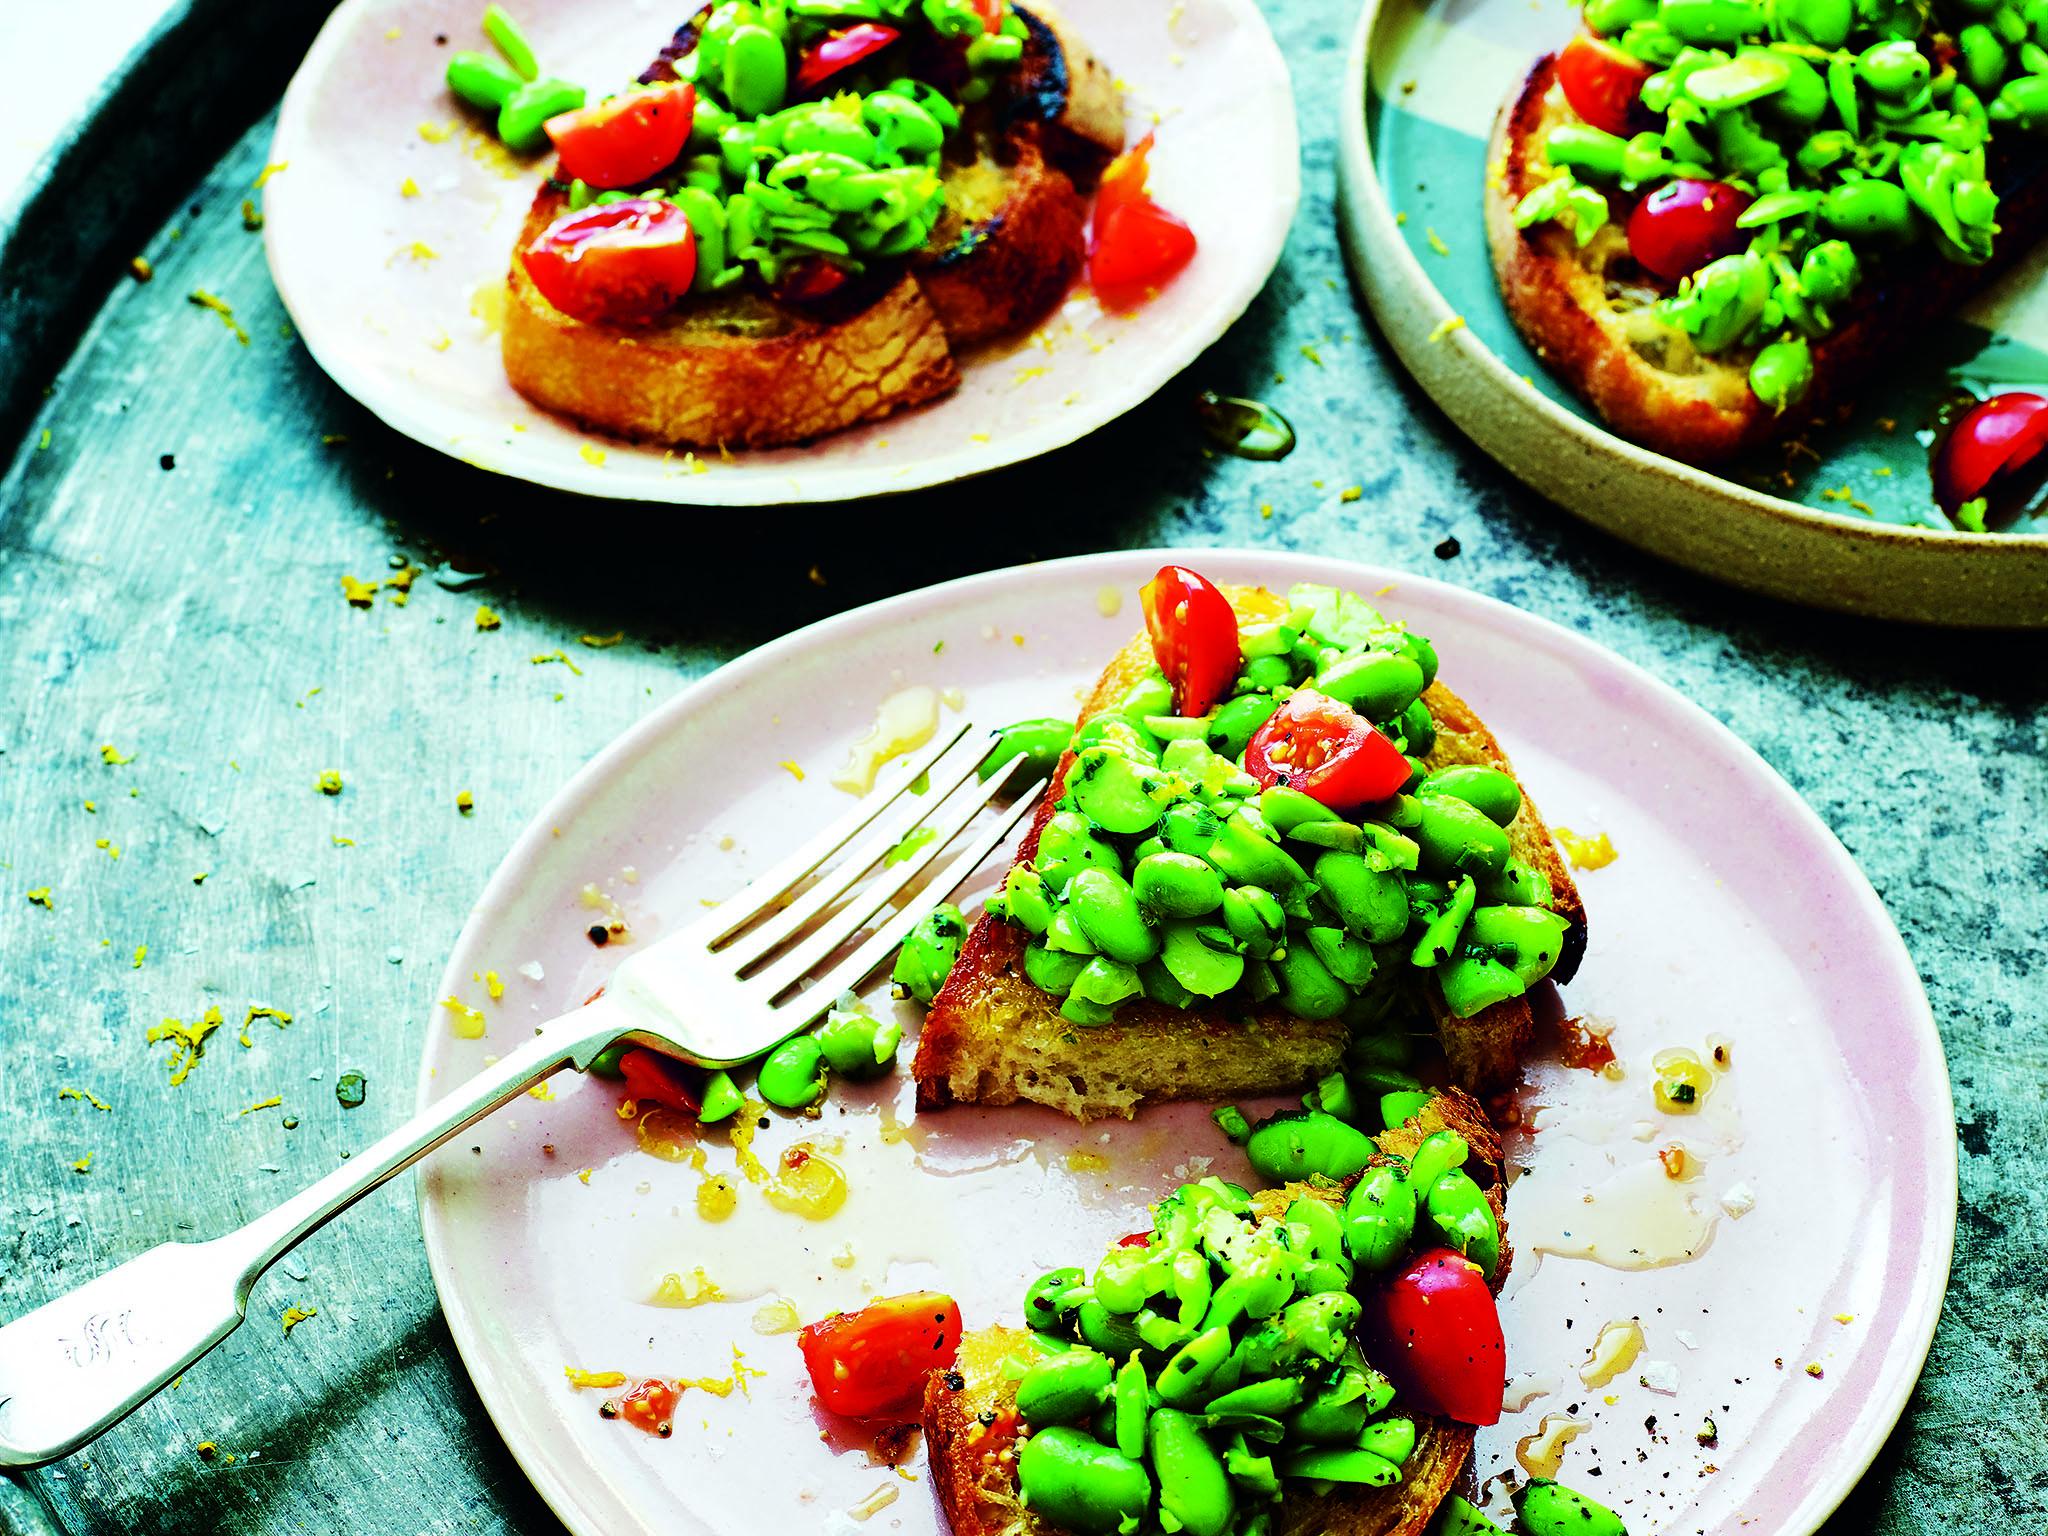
{"type": "Point", "coordinates": [852, 971]}
{"type": "Point", "coordinates": [947, 775]}
{"type": "Point", "coordinates": [876, 894]}
{"type": "Point", "coordinates": [766, 889]}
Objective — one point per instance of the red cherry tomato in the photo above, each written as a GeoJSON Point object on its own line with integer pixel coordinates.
{"type": "Point", "coordinates": [1134, 1240]}
{"type": "Point", "coordinates": [842, 50]}
{"type": "Point", "coordinates": [1683, 225]}
{"type": "Point", "coordinates": [626, 139]}
{"type": "Point", "coordinates": [1135, 247]}
{"type": "Point", "coordinates": [1990, 448]}
{"type": "Point", "coordinates": [809, 281]}
{"type": "Point", "coordinates": [650, 1406]}
{"type": "Point", "coordinates": [992, 13]}
{"type": "Point", "coordinates": [1327, 750]}
{"type": "Point", "coordinates": [623, 264]}
{"type": "Point", "coordinates": [1439, 1338]}
{"type": "Point", "coordinates": [652, 1078]}
{"type": "Point", "coordinates": [873, 1362]}
{"type": "Point", "coordinates": [1603, 84]}
{"type": "Point", "coordinates": [1194, 637]}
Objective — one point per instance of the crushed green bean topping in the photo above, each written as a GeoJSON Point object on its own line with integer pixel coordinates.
{"type": "Point", "coordinates": [1166, 873]}
{"type": "Point", "coordinates": [1854, 129]}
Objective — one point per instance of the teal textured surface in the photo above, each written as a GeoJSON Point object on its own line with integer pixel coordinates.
{"type": "Point", "coordinates": [174, 527]}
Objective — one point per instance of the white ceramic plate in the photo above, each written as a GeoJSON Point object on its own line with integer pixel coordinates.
{"type": "Point", "coordinates": [1423, 81]}
{"type": "Point", "coordinates": [395, 294]}
{"type": "Point", "coordinates": [1730, 911]}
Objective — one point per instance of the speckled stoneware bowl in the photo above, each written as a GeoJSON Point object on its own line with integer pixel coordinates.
{"type": "Point", "coordinates": [1426, 77]}
{"type": "Point", "coordinates": [1815, 1228]}
{"type": "Point", "coordinates": [390, 230]}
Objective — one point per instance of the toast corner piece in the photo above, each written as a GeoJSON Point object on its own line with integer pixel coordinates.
{"type": "Point", "coordinates": [1594, 329]}
{"type": "Point", "coordinates": [722, 371]}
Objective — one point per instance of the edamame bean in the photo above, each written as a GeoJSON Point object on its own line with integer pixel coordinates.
{"type": "Point", "coordinates": [1472, 983]}
{"type": "Point", "coordinates": [511, 42]}
{"type": "Point", "coordinates": [1285, 808]}
{"type": "Point", "coordinates": [1188, 1370]}
{"type": "Point", "coordinates": [858, 1045]}
{"type": "Point", "coordinates": [606, 1062]}
{"type": "Point", "coordinates": [722, 1099]}
{"type": "Point", "coordinates": [1100, 1329]}
{"type": "Point", "coordinates": [1177, 885]}
{"type": "Point", "coordinates": [1078, 1010]}
{"type": "Point", "coordinates": [1262, 674]}
{"type": "Point", "coordinates": [1704, 23]}
{"type": "Point", "coordinates": [1039, 742]}
{"type": "Point", "coordinates": [1190, 827]}
{"type": "Point", "coordinates": [1107, 909]}
{"type": "Point", "coordinates": [1105, 982]}
{"type": "Point", "coordinates": [1344, 955]}
{"type": "Point", "coordinates": [1460, 1211]}
{"type": "Point", "coordinates": [1896, 69]}
{"type": "Point", "coordinates": [2022, 100]}
{"type": "Point", "coordinates": [1118, 793]}
{"type": "Point", "coordinates": [1235, 721]}
{"type": "Point", "coordinates": [1378, 684]}
{"type": "Point", "coordinates": [1042, 1309]}
{"type": "Point", "coordinates": [1398, 1106]}
{"type": "Point", "coordinates": [1133, 1407]}
{"type": "Point", "coordinates": [1231, 1122]}
{"type": "Point", "coordinates": [1545, 1508]}
{"type": "Point", "coordinates": [1064, 1388]}
{"type": "Point", "coordinates": [522, 118]}
{"type": "Point", "coordinates": [1438, 1154]}
{"type": "Point", "coordinates": [483, 82]}
{"type": "Point", "coordinates": [1824, 23]}
{"type": "Point", "coordinates": [1193, 1487]}
{"type": "Point", "coordinates": [1293, 1146]}
{"type": "Point", "coordinates": [1072, 1481]}
{"type": "Point", "coordinates": [1162, 986]}
{"type": "Point", "coordinates": [1307, 989]}
{"type": "Point", "coordinates": [1519, 884]}
{"type": "Point", "coordinates": [1458, 838]}
{"type": "Point", "coordinates": [1457, 1516]}
{"type": "Point", "coordinates": [1249, 858]}
{"type": "Point", "coordinates": [1333, 1096]}
{"type": "Point", "coordinates": [1485, 789]}
{"type": "Point", "coordinates": [1254, 918]}
{"type": "Point", "coordinates": [1067, 844]}
{"type": "Point", "coordinates": [1364, 893]}
{"type": "Point", "coordinates": [792, 1076]}
{"type": "Point", "coordinates": [1025, 900]}
{"type": "Point", "coordinates": [1050, 970]}
{"type": "Point", "coordinates": [1868, 210]}
{"type": "Point", "coordinates": [928, 953]}
{"type": "Point", "coordinates": [1336, 1465]}
{"type": "Point", "coordinates": [1528, 940]}
{"type": "Point", "coordinates": [1416, 728]}
{"type": "Point", "coordinates": [755, 71]}
{"type": "Point", "coordinates": [1379, 1217]}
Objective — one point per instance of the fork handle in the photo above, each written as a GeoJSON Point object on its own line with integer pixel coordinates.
{"type": "Point", "coordinates": [80, 1363]}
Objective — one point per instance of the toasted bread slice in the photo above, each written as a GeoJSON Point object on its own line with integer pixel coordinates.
{"type": "Point", "coordinates": [992, 1037]}
{"type": "Point", "coordinates": [741, 369]}
{"type": "Point", "coordinates": [1586, 312]}
{"type": "Point", "coordinates": [973, 1461]}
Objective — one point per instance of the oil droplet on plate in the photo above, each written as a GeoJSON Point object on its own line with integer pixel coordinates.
{"type": "Point", "coordinates": [904, 721]}
{"type": "Point", "coordinates": [1639, 1218]}
{"type": "Point", "coordinates": [1542, 1453]}
{"type": "Point", "coordinates": [1613, 1351]}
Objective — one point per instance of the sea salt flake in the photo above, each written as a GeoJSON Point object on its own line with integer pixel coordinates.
{"type": "Point", "coordinates": [1738, 1200]}
{"type": "Point", "coordinates": [1659, 1376]}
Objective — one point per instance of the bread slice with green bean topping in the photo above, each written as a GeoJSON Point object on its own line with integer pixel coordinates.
{"type": "Point", "coordinates": [993, 1037]}
{"type": "Point", "coordinates": [742, 367]}
{"type": "Point", "coordinates": [972, 1424]}
{"type": "Point", "coordinates": [1589, 310]}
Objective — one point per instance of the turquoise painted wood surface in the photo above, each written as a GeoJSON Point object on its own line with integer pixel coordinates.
{"type": "Point", "coordinates": [175, 523]}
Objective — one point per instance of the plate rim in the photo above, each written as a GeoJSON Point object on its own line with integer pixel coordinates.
{"type": "Point", "coordinates": [784, 486]}
{"type": "Point", "coordinates": [1410, 310]}
{"type": "Point", "coordinates": [1852, 1458]}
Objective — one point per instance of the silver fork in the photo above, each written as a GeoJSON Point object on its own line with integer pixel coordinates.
{"type": "Point", "coordinates": [738, 980]}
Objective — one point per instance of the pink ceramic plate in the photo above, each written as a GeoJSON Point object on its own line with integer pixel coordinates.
{"type": "Point", "coordinates": [390, 226]}
{"type": "Point", "coordinates": [1819, 1218]}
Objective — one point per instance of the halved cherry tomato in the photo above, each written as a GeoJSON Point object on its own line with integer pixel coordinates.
{"type": "Point", "coordinates": [809, 281]}
{"type": "Point", "coordinates": [873, 1362]}
{"type": "Point", "coordinates": [842, 50]}
{"type": "Point", "coordinates": [1990, 448]}
{"type": "Point", "coordinates": [624, 263]}
{"type": "Point", "coordinates": [1439, 1338]}
{"type": "Point", "coordinates": [650, 1406]}
{"type": "Point", "coordinates": [625, 139]}
{"type": "Point", "coordinates": [1194, 637]}
{"type": "Point", "coordinates": [991, 12]}
{"type": "Point", "coordinates": [1327, 750]}
{"type": "Point", "coordinates": [1683, 225]}
{"type": "Point", "coordinates": [1604, 85]}
{"type": "Point", "coordinates": [1134, 246]}
{"type": "Point", "coordinates": [652, 1078]}
{"type": "Point", "coordinates": [1134, 1240]}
